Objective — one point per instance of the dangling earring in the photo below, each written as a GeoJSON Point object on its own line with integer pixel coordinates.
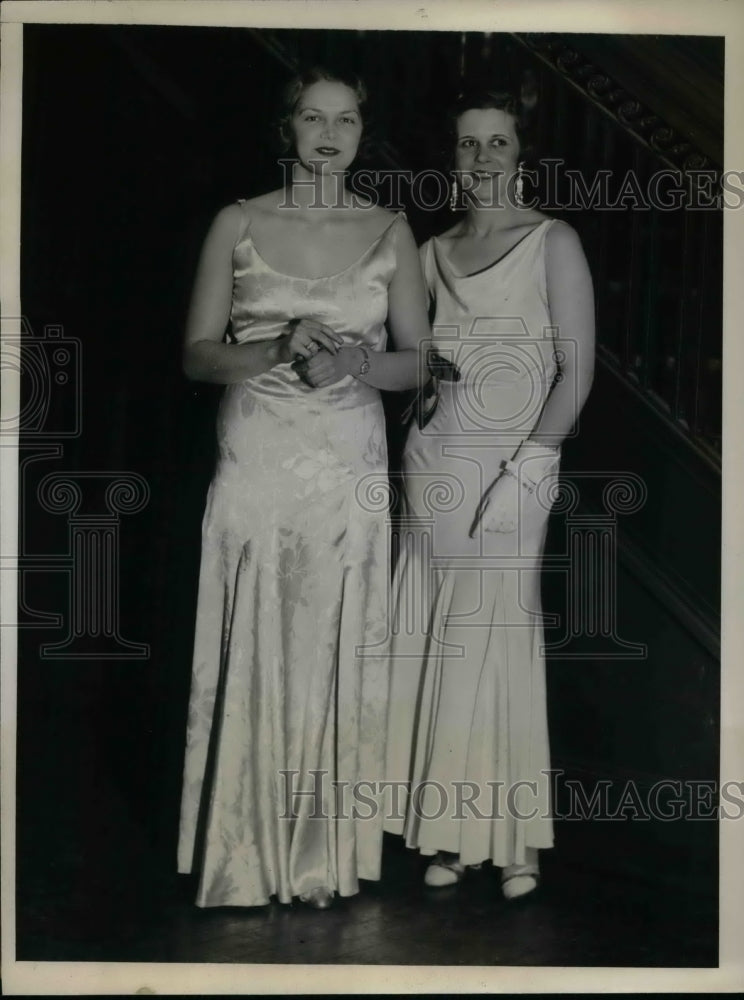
{"type": "Point", "coordinates": [519, 186]}
{"type": "Point", "coordinates": [455, 196]}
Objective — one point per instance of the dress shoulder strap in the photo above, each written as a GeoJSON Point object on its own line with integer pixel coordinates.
{"type": "Point", "coordinates": [392, 226]}
{"type": "Point", "coordinates": [246, 221]}
{"type": "Point", "coordinates": [390, 231]}
{"type": "Point", "coordinates": [425, 256]}
{"type": "Point", "coordinates": [543, 265]}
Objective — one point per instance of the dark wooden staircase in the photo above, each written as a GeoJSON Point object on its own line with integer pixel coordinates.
{"type": "Point", "coordinates": [643, 105]}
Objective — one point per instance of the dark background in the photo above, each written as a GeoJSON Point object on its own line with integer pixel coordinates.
{"type": "Point", "coordinates": [132, 138]}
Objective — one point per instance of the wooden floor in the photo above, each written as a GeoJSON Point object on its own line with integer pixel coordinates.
{"type": "Point", "coordinates": [578, 919]}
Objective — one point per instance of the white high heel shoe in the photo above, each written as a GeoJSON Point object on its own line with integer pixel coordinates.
{"type": "Point", "coordinates": [319, 898]}
{"type": "Point", "coordinates": [518, 881]}
{"type": "Point", "coordinates": [446, 869]}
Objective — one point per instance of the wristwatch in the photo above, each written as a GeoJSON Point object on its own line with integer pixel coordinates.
{"type": "Point", "coordinates": [364, 367]}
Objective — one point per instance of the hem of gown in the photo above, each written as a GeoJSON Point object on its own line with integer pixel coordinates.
{"type": "Point", "coordinates": [428, 852]}
{"type": "Point", "coordinates": [204, 897]}
{"type": "Point", "coordinates": [274, 897]}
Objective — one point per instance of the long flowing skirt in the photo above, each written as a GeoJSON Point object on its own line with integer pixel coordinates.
{"type": "Point", "coordinates": [468, 735]}
{"type": "Point", "coordinates": [291, 670]}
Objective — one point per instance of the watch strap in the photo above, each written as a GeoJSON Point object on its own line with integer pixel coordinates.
{"type": "Point", "coordinates": [364, 367]}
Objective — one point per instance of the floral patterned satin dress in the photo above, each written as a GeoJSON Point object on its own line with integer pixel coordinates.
{"type": "Point", "coordinates": [290, 670]}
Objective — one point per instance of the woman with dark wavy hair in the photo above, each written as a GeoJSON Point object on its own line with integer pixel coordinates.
{"type": "Point", "coordinates": [512, 305]}
{"type": "Point", "coordinates": [290, 671]}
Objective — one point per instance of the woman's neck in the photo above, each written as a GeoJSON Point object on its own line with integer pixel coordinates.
{"type": "Point", "coordinates": [483, 221]}
{"type": "Point", "coordinates": [317, 191]}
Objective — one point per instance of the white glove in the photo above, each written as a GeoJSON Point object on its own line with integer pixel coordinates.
{"type": "Point", "coordinates": [514, 494]}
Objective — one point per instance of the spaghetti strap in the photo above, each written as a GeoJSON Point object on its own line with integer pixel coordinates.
{"type": "Point", "coordinates": [426, 260]}
{"type": "Point", "coordinates": [543, 273]}
{"type": "Point", "coordinates": [397, 216]}
{"type": "Point", "coordinates": [393, 226]}
{"type": "Point", "coordinates": [246, 223]}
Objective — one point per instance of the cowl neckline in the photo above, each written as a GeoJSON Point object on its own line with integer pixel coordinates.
{"type": "Point", "coordinates": [442, 255]}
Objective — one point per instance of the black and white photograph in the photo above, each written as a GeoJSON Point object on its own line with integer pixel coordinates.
{"type": "Point", "coordinates": [365, 549]}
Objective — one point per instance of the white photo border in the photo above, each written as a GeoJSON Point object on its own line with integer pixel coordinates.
{"type": "Point", "coordinates": [683, 17]}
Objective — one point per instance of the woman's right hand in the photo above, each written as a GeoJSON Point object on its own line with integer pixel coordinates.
{"type": "Point", "coordinates": [305, 338]}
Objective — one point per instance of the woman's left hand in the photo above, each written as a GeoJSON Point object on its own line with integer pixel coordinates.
{"type": "Point", "coordinates": [514, 496]}
{"type": "Point", "coordinates": [325, 369]}
{"type": "Point", "coordinates": [500, 508]}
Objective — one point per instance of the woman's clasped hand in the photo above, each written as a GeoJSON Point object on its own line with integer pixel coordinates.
{"type": "Point", "coordinates": [305, 337]}
{"type": "Point", "coordinates": [318, 354]}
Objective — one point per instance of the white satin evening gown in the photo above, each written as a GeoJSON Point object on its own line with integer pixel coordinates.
{"type": "Point", "coordinates": [291, 667]}
{"type": "Point", "coordinates": [467, 719]}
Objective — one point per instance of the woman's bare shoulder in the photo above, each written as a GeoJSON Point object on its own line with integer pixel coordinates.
{"type": "Point", "coordinates": [226, 225]}
{"type": "Point", "coordinates": [229, 213]}
{"type": "Point", "coordinates": [561, 236]}
{"type": "Point", "coordinates": [531, 217]}
{"type": "Point", "coordinates": [565, 258]}
{"type": "Point", "coordinates": [262, 204]}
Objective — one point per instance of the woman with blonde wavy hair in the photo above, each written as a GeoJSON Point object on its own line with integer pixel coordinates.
{"type": "Point", "coordinates": [290, 670]}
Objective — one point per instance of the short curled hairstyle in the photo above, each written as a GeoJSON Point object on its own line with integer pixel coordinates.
{"type": "Point", "coordinates": [500, 100]}
{"type": "Point", "coordinates": [299, 83]}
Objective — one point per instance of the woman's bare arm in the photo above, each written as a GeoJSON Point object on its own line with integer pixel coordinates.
{"type": "Point", "coordinates": [571, 301]}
